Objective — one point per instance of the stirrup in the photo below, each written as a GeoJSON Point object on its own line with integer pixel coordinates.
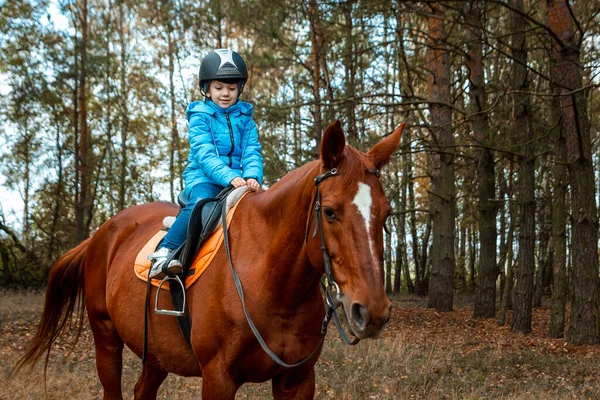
{"type": "Point", "coordinates": [174, 313]}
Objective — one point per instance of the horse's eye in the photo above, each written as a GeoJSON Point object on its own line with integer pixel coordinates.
{"type": "Point", "coordinates": [329, 213]}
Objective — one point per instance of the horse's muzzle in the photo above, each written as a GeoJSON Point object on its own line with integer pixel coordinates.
{"type": "Point", "coordinates": [367, 323]}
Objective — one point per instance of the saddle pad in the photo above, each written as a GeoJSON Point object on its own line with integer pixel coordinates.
{"type": "Point", "coordinates": [207, 253]}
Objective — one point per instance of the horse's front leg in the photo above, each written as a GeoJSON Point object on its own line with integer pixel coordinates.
{"type": "Point", "coordinates": [295, 384]}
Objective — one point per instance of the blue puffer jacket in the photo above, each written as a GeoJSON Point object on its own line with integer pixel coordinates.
{"type": "Point", "coordinates": [223, 144]}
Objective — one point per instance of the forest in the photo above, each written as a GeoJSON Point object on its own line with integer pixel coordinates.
{"type": "Point", "coordinates": [494, 187]}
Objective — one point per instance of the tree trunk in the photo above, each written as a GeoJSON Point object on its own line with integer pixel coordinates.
{"type": "Point", "coordinates": [522, 129]}
{"type": "Point", "coordinates": [585, 318]}
{"type": "Point", "coordinates": [502, 240]}
{"type": "Point", "coordinates": [5, 260]}
{"type": "Point", "coordinates": [441, 197]}
{"type": "Point", "coordinates": [472, 256]}
{"type": "Point", "coordinates": [461, 261]}
{"type": "Point", "coordinates": [124, 114]}
{"type": "Point", "coordinates": [216, 7]}
{"type": "Point", "coordinates": [82, 203]}
{"type": "Point", "coordinates": [297, 121]}
{"type": "Point", "coordinates": [107, 110]}
{"type": "Point", "coordinates": [402, 218]}
{"type": "Point", "coordinates": [506, 302]}
{"type": "Point", "coordinates": [485, 300]}
{"type": "Point", "coordinates": [59, 191]}
{"type": "Point", "coordinates": [398, 265]}
{"type": "Point", "coordinates": [420, 284]}
{"type": "Point", "coordinates": [545, 225]}
{"type": "Point", "coordinates": [400, 233]}
{"type": "Point", "coordinates": [388, 262]}
{"type": "Point", "coordinates": [75, 126]}
{"type": "Point", "coordinates": [316, 41]}
{"type": "Point", "coordinates": [349, 73]}
{"type": "Point", "coordinates": [425, 273]}
{"type": "Point", "coordinates": [174, 169]}
{"type": "Point", "coordinates": [27, 159]}
{"type": "Point", "coordinates": [559, 226]}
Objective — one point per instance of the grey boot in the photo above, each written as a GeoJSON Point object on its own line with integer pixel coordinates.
{"type": "Point", "coordinates": [158, 270]}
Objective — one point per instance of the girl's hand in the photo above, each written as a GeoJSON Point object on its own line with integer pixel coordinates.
{"type": "Point", "coordinates": [253, 184]}
{"type": "Point", "coordinates": [238, 182]}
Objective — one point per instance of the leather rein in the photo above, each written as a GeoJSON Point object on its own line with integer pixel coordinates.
{"type": "Point", "coordinates": [330, 288]}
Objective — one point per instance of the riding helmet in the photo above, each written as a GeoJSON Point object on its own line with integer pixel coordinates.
{"type": "Point", "coordinates": [224, 65]}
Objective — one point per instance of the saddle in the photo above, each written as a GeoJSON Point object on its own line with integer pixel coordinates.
{"type": "Point", "coordinates": [204, 221]}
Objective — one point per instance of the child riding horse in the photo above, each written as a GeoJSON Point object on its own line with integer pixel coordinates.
{"type": "Point", "coordinates": [280, 261]}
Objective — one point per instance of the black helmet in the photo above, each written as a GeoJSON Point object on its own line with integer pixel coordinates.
{"type": "Point", "coordinates": [224, 65]}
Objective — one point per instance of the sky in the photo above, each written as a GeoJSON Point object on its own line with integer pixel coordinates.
{"type": "Point", "coordinates": [11, 203]}
{"type": "Point", "coordinates": [11, 206]}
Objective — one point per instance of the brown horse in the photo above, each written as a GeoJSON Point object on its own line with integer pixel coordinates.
{"type": "Point", "coordinates": [280, 267]}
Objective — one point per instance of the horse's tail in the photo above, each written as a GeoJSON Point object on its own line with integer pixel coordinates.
{"type": "Point", "coordinates": [64, 296]}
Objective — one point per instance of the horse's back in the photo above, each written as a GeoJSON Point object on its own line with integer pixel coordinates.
{"type": "Point", "coordinates": [114, 295]}
{"type": "Point", "coordinates": [113, 249]}
{"type": "Point", "coordinates": [121, 237]}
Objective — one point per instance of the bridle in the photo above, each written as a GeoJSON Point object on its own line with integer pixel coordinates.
{"type": "Point", "coordinates": [330, 288]}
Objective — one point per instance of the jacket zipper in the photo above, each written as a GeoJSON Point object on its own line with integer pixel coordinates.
{"type": "Point", "coordinates": [232, 139]}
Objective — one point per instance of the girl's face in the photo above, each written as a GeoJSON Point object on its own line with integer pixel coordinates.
{"type": "Point", "coordinates": [223, 94]}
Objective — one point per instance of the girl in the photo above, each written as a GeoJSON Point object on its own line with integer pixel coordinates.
{"type": "Point", "coordinates": [224, 147]}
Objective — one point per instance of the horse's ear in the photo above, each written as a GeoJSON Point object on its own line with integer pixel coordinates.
{"type": "Point", "coordinates": [332, 145]}
{"type": "Point", "coordinates": [380, 153]}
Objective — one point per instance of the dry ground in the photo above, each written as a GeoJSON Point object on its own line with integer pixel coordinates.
{"type": "Point", "coordinates": [423, 355]}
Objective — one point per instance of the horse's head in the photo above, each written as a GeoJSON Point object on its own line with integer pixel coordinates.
{"type": "Point", "coordinates": [354, 209]}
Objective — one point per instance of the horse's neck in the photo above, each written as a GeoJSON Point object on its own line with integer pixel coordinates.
{"type": "Point", "coordinates": [287, 203]}
{"type": "Point", "coordinates": [285, 208]}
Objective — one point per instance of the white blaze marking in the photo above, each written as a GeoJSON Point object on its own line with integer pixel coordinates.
{"type": "Point", "coordinates": [363, 202]}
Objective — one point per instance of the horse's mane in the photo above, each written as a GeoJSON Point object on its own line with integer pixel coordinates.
{"type": "Point", "coordinates": [353, 166]}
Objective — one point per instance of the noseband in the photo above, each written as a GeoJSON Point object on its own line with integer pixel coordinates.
{"type": "Point", "coordinates": [330, 288]}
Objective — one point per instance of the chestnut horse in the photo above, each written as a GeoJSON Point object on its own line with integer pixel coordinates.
{"type": "Point", "coordinates": [279, 261]}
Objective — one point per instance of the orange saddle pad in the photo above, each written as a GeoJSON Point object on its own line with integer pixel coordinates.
{"type": "Point", "coordinates": [207, 253]}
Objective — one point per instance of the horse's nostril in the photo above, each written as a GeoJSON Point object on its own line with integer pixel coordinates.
{"type": "Point", "coordinates": [360, 315]}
